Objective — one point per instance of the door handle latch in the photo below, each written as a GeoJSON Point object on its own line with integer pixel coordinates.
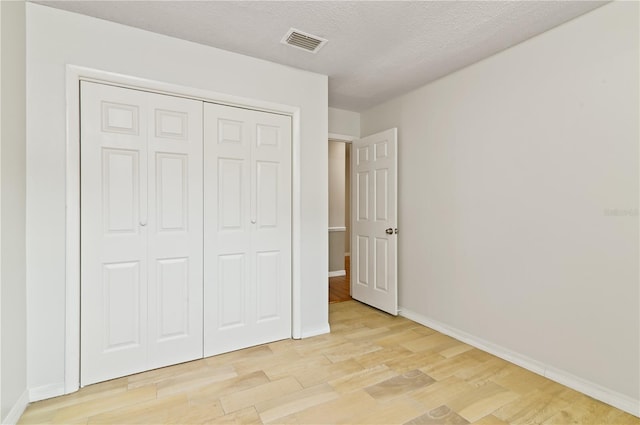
{"type": "Point", "coordinates": [389, 231]}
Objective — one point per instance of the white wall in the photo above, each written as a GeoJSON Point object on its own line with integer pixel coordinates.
{"type": "Point", "coordinates": [345, 123]}
{"type": "Point", "coordinates": [336, 184]}
{"type": "Point", "coordinates": [13, 365]}
{"type": "Point", "coordinates": [519, 199]}
{"type": "Point", "coordinates": [337, 213]}
{"type": "Point", "coordinates": [56, 38]}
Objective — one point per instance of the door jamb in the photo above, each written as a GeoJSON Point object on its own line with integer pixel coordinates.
{"type": "Point", "coordinates": [342, 138]}
{"type": "Point", "coordinates": [75, 74]}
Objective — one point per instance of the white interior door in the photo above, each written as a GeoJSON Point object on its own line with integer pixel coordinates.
{"type": "Point", "coordinates": [141, 231]}
{"type": "Point", "coordinates": [247, 228]}
{"type": "Point", "coordinates": [374, 211]}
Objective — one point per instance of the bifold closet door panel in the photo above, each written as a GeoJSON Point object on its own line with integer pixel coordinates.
{"type": "Point", "coordinates": [114, 247]}
{"type": "Point", "coordinates": [247, 228]}
{"type": "Point", "coordinates": [141, 227]}
{"type": "Point", "coordinates": [175, 226]}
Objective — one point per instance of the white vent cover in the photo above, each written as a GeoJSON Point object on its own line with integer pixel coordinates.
{"type": "Point", "coordinates": [303, 40]}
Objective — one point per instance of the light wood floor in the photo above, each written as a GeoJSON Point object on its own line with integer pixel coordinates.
{"type": "Point", "coordinates": [372, 368]}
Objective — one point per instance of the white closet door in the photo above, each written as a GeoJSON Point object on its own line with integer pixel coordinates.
{"type": "Point", "coordinates": [141, 224]}
{"type": "Point", "coordinates": [174, 226]}
{"type": "Point", "coordinates": [114, 246]}
{"type": "Point", "coordinates": [247, 228]}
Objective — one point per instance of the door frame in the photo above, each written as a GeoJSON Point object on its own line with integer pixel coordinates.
{"type": "Point", "coordinates": [75, 74]}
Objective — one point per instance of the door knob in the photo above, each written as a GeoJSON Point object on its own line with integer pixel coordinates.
{"type": "Point", "coordinates": [389, 231]}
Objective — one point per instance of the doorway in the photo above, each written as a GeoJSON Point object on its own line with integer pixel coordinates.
{"type": "Point", "coordinates": [371, 166]}
{"type": "Point", "coordinates": [339, 220]}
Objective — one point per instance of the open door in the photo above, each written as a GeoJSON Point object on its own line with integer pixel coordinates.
{"type": "Point", "coordinates": [374, 161]}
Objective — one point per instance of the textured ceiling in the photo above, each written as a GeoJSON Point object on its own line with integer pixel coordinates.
{"type": "Point", "coordinates": [376, 50]}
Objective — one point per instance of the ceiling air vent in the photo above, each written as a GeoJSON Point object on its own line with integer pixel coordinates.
{"type": "Point", "coordinates": [303, 40]}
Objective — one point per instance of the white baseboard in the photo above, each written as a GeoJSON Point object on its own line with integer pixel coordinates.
{"type": "Point", "coordinates": [338, 273]}
{"type": "Point", "coordinates": [17, 410]}
{"type": "Point", "coordinates": [315, 332]}
{"type": "Point", "coordinates": [614, 398]}
{"type": "Point", "coordinates": [46, 391]}
{"type": "Point", "coordinates": [605, 395]}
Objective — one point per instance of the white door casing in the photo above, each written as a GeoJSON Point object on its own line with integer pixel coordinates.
{"type": "Point", "coordinates": [374, 210]}
{"type": "Point", "coordinates": [141, 231]}
{"type": "Point", "coordinates": [248, 228]}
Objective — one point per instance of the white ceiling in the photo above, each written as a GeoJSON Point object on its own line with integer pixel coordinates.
{"type": "Point", "coordinates": [377, 49]}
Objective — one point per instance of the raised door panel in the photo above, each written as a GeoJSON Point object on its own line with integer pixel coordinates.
{"type": "Point", "coordinates": [173, 298]}
{"type": "Point", "coordinates": [382, 195]}
{"type": "Point", "coordinates": [267, 185]}
{"type": "Point", "coordinates": [120, 118]}
{"type": "Point", "coordinates": [268, 278]}
{"type": "Point", "coordinates": [381, 257]}
{"type": "Point", "coordinates": [171, 124]}
{"type": "Point", "coordinates": [122, 312]}
{"type": "Point", "coordinates": [362, 195]}
{"type": "Point", "coordinates": [231, 131]}
{"type": "Point", "coordinates": [231, 195]}
{"type": "Point", "coordinates": [232, 291]}
{"type": "Point", "coordinates": [172, 198]}
{"type": "Point", "coordinates": [362, 155]}
{"type": "Point", "coordinates": [120, 190]}
{"type": "Point", "coordinates": [268, 136]}
{"type": "Point", "coordinates": [362, 255]}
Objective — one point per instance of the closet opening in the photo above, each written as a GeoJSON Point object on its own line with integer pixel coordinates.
{"type": "Point", "coordinates": [151, 294]}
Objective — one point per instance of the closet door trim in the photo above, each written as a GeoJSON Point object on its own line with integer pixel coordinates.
{"type": "Point", "coordinates": [75, 74]}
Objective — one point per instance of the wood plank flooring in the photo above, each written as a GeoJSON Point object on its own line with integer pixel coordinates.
{"type": "Point", "coordinates": [372, 369]}
{"type": "Point", "coordinates": [339, 289]}
{"type": "Point", "coordinates": [339, 286]}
